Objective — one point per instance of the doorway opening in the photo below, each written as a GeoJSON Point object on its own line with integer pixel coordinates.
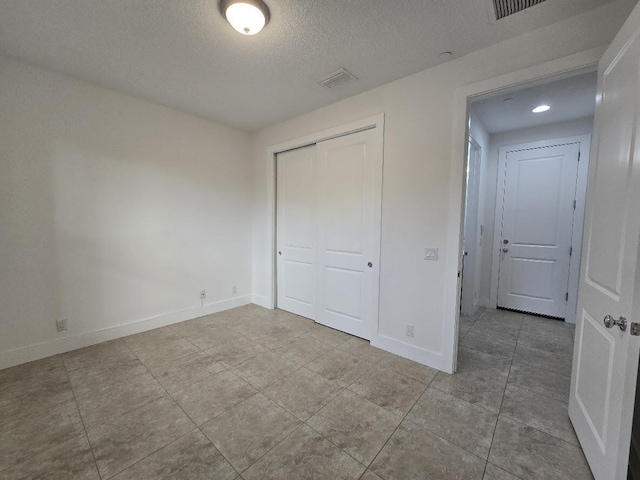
{"type": "Point", "coordinates": [512, 362]}
{"type": "Point", "coordinates": [525, 186]}
{"type": "Point", "coordinates": [525, 182]}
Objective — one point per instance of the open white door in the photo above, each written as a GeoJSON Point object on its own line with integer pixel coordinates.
{"type": "Point", "coordinates": [296, 230]}
{"type": "Point", "coordinates": [471, 265]}
{"type": "Point", "coordinates": [349, 213]}
{"type": "Point", "coordinates": [605, 360]}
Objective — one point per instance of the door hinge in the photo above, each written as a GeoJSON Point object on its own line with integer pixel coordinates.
{"type": "Point", "coordinates": [579, 153]}
{"type": "Point", "coordinates": [574, 204]}
{"type": "Point", "coordinates": [566, 297]}
{"type": "Point", "coordinates": [570, 251]}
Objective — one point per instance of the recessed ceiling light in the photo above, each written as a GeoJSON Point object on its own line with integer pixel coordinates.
{"type": "Point", "coordinates": [246, 16]}
{"type": "Point", "coordinates": [541, 108]}
{"type": "Point", "coordinates": [445, 55]}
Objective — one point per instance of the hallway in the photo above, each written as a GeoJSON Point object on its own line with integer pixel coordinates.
{"type": "Point", "coordinates": [519, 366]}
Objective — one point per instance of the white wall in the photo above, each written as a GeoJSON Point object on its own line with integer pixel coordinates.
{"type": "Point", "coordinates": [112, 210]}
{"type": "Point", "coordinates": [545, 132]}
{"type": "Point", "coordinates": [417, 163]}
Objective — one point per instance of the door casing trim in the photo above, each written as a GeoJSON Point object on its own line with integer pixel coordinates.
{"type": "Point", "coordinates": [375, 122]}
{"type": "Point", "coordinates": [564, 67]}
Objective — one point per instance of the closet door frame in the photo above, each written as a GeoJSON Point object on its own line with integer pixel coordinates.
{"type": "Point", "coordinates": [371, 123]}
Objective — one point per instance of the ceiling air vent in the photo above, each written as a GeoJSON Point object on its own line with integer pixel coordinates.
{"type": "Point", "coordinates": [336, 79]}
{"type": "Point", "coordinates": [504, 8]}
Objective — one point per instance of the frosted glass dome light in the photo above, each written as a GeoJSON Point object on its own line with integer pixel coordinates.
{"type": "Point", "coordinates": [246, 16]}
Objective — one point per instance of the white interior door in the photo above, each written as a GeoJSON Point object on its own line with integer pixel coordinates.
{"type": "Point", "coordinates": [296, 230]}
{"type": "Point", "coordinates": [605, 360]}
{"type": "Point", "coordinates": [470, 270]}
{"type": "Point", "coordinates": [537, 224]}
{"type": "Point", "coordinates": [349, 206]}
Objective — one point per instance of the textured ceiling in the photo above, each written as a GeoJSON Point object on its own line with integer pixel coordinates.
{"type": "Point", "coordinates": [569, 99]}
{"type": "Point", "coordinates": [183, 54]}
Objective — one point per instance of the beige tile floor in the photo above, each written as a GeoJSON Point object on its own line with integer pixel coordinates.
{"type": "Point", "coordinates": [258, 394]}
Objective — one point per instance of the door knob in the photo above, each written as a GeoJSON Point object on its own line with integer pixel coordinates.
{"type": "Point", "coordinates": [505, 241]}
{"type": "Point", "coordinates": [279, 253]}
{"type": "Point", "coordinates": [609, 322]}
{"type": "Point", "coordinates": [370, 264]}
{"type": "Point", "coordinates": [505, 250]}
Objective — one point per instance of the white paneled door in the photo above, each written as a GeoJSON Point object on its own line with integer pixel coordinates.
{"type": "Point", "coordinates": [329, 199]}
{"type": "Point", "coordinates": [605, 359]}
{"type": "Point", "coordinates": [537, 224]}
{"type": "Point", "coordinates": [349, 206]}
{"type": "Point", "coordinates": [296, 230]}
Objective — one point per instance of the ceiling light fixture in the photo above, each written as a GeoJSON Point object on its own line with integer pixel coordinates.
{"type": "Point", "coordinates": [541, 108]}
{"type": "Point", "coordinates": [246, 16]}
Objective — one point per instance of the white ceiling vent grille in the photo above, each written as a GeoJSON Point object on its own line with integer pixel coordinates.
{"type": "Point", "coordinates": [504, 8]}
{"type": "Point", "coordinates": [336, 79]}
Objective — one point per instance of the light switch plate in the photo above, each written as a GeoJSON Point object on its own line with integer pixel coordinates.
{"type": "Point", "coordinates": [431, 254]}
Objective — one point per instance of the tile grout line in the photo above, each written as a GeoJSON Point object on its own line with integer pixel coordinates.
{"type": "Point", "coordinates": [515, 420]}
{"type": "Point", "coordinates": [269, 450]}
{"type": "Point", "coordinates": [524, 389]}
{"type": "Point", "coordinates": [500, 409]}
{"type": "Point", "coordinates": [368, 368]}
{"type": "Point", "coordinates": [500, 414]}
{"type": "Point", "coordinates": [486, 460]}
{"type": "Point", "coordinates": [338, 447]}
{"type": "Point", "coordinates": [495, 427]}
{"type": "Point", "coordinates": [196, 426]}
{"type": "Point", "coordinates": [84, 427]}
{"type": "Point", "coordinates": [304, 422]}
{"type": "Point", "coordinates": [403, 418]}
{"type": "Point", "coordinates": [155, 451]}
{"type": "Point", "coordinates": [121, 341]}
{"type": "Point", "coordinates": [467, 401]}
{"type": "Point", "coordinates": [243, 380]}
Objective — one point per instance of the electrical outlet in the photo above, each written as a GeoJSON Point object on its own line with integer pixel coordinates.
{"type": "Point", "coordinates": [234, 290]}
{"type": "Point", "coordinates": [61, 325]}
{"type": "Point", "coordinates": [203, 295]}
{"type": "Point", "coordinates": [431, 254]}
{"type": "Point", "coordinates": [409, 330]}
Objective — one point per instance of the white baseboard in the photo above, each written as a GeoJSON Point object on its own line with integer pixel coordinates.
{"type": "Point", "coordinates": [37, 351]}
{"type": "Point", "coordinates": [262, 301]}
{"type": "Point", "coordinates": [417, 354]}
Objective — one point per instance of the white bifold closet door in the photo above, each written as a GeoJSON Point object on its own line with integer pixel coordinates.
{"type": "Point", "coordinates": [329, 224]}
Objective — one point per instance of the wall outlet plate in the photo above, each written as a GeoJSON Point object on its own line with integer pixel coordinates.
{"type": "Point", "coordinates": [431, 254]}
{"type": "Point", "coordinates": [203, 295]}
{"type": "Point", "coordinates": [62, 325]}
{"type": "Point", "coordinates": [409, 330]}
{"type": "Point", "coordinates": [234, 290]}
